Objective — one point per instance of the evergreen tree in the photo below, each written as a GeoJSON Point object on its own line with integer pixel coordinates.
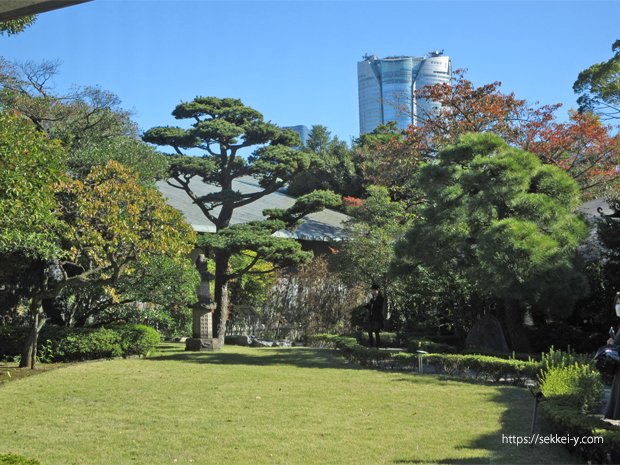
{"type": "Point", "coordinates": [221, 128]}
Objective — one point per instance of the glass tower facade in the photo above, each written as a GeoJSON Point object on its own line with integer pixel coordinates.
{"type": "Point", "coordinates": [387, 88]}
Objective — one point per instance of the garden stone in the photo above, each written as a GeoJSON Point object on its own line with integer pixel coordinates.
{"type": "Point", "coordinates": [239, 340]}
{"type": "Point", "coordinates": [283, 343]}
{"type": "Point", "coordinates": [261, 343]}
{"type": "Point", "coordinates": [487, 333]}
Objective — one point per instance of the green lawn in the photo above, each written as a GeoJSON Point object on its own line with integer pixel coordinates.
{"type": "Point", "coordinates": [260, 406]}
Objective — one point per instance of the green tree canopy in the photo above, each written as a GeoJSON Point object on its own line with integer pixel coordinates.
{"type": "Point", "coordinates": [504, 222]}
{"type": "Point", "coordinates": [599, 86]}
{"type": "Point", "coordinates": [15, 26]}
{"type": "Point", "coordinates": [331, 167]}
{"type": "Point", "coordinates": [30, 166]}
{"type": "Point", "coordinates": [221, 129]}
{"type": "Point", "coordinates": [81, 116]}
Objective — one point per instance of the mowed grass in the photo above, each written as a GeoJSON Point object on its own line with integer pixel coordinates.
{"type": "Point", "coordinates": [260, 406]}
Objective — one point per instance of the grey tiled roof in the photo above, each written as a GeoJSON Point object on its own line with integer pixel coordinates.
{"type": "Point", "coordinates": [322, 226]}
{"type": "Point", "coordinates": [590, 209]}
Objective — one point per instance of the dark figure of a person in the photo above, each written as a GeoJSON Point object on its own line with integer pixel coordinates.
{"type": "Point", "coordinates": [375, 316]}
{"type": "Point", "coordinates": [612, 411]}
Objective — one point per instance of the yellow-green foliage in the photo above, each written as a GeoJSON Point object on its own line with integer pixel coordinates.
{"type": "Point", "coordinates": [114, 219]}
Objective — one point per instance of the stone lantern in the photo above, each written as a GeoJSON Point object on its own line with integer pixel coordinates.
{"type": "Point", "coordinates": [202, 311]}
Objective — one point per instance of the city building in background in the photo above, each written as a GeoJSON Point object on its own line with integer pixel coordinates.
{"type": "Point", "coordinates": [387, 88]}
{"type": "Point", "coordinates": [303, 132]}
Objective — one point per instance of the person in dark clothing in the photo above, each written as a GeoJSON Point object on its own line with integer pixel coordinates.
{"type": "Point", "coordinates": [375, 316]}
{"type": "Point", "coordinates": [612, 410]}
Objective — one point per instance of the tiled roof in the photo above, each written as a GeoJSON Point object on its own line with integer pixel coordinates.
{"type": "Point", "coordinates": [590, 209]}
{"type": "Point", "coordinates": [322, 226]}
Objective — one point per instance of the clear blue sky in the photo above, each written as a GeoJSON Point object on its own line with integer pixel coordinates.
{"type": "Point", "coordinates": [295, 61]}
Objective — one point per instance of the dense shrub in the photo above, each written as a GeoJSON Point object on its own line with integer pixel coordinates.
{"type": "Point", "coordinates": [138, 339]}
{"type": "Point", "coordinates": [504, 355]}
{"type": "Point", "coordinates": [577, 385]}
{"type": "Point", "coordinates": [485, 367]}
{"type": "Point", "coordinates": [475, 366]}
{"type": "Point", "coordinates": [567, 420]}
{"type": "Point", "coordinates": [572, 386]}
{"type": "Point", "coordinates": [409, 342]}
{"type": "Point", "coordinates": [388, 339]}
{"type": "Point", "coordinates": [60, 344]}
{"type": "Point", "coordinates": [102, 343]}
{"type": "Point", "coordinates": [415, 344]}
{"type": "Point", "coordinates": [12, 459]}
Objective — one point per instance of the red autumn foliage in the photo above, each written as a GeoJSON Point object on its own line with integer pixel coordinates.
{"type": "Point", "coordinates": [583, 146]}
{"type": "Point", "coordinates": [353, 202]}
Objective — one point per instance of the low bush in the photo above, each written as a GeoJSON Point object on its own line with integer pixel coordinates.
{"type": "Point", "coordinates": [60, 344]}
{"type": "Point", "coordinates": [497, 354]}
{"type": "Point", "coordinates": [569, 421]}
{"type": "Point", "coordinates": [475, 366]}
{"type": "Point", "coordinates": [572, 386]}
{"type": "Point", "coordinates": [12, 459]}
{"type": "Point", "coordinates": [101, 343]}
{"type": "Point", "coordinates": [485, 367]}
{"type": "Point", "coordinates": [413, 345]}
{"type": "Point", "coordinates": [138, 339]}
{"type": "Point", "coordinates": [576, 385]}
{"type": "Point", "coordinates": [388, 339]}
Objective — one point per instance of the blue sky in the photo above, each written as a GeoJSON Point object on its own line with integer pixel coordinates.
{"type": "Point", "coordinates": [295, 61]}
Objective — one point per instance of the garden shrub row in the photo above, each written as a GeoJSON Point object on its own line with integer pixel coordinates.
{"type": "Point", "coordinates": [567, 420]}
{"type": "Point", "coordinates": [476, 366]}
{"type": "Point", "coordinates": [572, 387]}
{"type": "Point", "coordinates": [410, 342]}
{"type": "Point", "coordinates": [61, 344]}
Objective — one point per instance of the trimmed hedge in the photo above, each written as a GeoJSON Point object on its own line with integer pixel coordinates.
{"type": "Point", "coordinates": [12, 459]}
{"type": "Point", "coordinates": [566, 419]}
{"type": "Point", "coordinates": [410, 342]}
{"type": "Point", "coordinates": [61, 344]}
{"type": "Point", "coordinates": [474, 366]}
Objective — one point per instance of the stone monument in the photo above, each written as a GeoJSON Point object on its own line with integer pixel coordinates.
{"type": "Point", "coordinates": [202, 312]}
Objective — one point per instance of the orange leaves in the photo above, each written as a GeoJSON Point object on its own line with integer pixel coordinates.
{"type": "Point", "coordinates": [353, 202]}
{"type": "Point", "coordinates": [116, 220]}
{"type": "Point", "coordinates": [582, 146]}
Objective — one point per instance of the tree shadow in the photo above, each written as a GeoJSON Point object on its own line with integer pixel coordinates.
{"type": "Point", "coordinates": [302, 357]}
{"type": "Point", "coordinates": [516, 420]}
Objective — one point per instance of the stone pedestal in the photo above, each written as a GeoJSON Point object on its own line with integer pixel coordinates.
{"type": "Point", "coordinates": [202, 329]}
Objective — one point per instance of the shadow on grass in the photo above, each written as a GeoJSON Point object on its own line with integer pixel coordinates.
{"type": "Point", "coordinates": [516, 420]}
{"type": "Point", "coordinates": [302, 357]}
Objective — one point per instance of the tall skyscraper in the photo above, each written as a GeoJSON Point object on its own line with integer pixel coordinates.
{"type": "Point", "coordinates": [387, 88]}
{"type": "Point", "coordinates": [303, 132]}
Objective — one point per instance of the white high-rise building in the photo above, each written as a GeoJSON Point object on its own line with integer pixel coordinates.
{"type": "Point", "coordinates": [387, 88]}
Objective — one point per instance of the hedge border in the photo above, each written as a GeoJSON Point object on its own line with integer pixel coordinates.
{"type": "Point", "coordinates": [480, 367]}
{"type": "Point", "coordinates": [62, 344]}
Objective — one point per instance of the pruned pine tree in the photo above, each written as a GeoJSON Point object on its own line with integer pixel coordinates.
{"type": "Point", "coordinates": [221, 129]}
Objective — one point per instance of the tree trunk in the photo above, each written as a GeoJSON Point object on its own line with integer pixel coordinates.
{"type": "Point", "coordinates": [29, 354]}
{"type": "Point", "coordinates": [513, 318]}
{"type": "Point", "coordinates": [223, 316]}
{"type": "Point", "coordinates": [220, 315]}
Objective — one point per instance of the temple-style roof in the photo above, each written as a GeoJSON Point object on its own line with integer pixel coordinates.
{"type": "Point", "coordinates": [324, 226]}
{"type": "Point", "coordinates": [14, 9]}
{"type": "Point", "coordinates": [594, 208]}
